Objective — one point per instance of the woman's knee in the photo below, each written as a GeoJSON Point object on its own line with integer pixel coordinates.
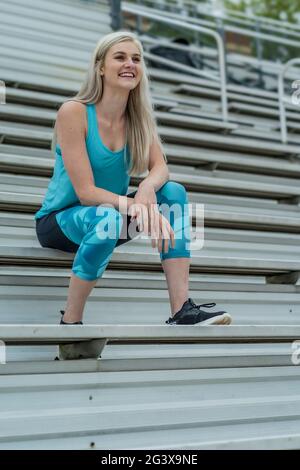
{"type": "Point", "coordinates": [174, 191]}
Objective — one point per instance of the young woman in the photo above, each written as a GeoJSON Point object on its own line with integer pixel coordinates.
{"type": "Point", "coordinates": [103, 135]}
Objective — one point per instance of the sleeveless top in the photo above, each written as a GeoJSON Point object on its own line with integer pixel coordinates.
{"type": "Point", "coordinates": [110, 170]}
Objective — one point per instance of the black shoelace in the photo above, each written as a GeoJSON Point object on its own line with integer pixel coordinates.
{"type": "Point", "coordinates": [209, 305]}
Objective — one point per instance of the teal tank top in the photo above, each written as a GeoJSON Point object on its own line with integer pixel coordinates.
{"type": "Point", "coordinates": [110, 170]}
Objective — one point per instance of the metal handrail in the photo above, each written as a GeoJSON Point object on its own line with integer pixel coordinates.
{"type": "Point", "coordinates": [282, 115]}
{"type": "Point", "coordinates": [230, 14]}
{"type": "Point", "coordinates": [233, 29]}
{"type": "Point", "coordinates": [264, 20]}
{"type": "Point", "coordinates": [139, 12]}
{"type": "Point", "coordinates": [251, 20]}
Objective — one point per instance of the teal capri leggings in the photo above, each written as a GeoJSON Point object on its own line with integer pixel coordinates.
{"type": "Point", "coordinates": [94, 231]}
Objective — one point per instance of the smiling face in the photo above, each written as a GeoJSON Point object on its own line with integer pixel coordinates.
{"type": "Point", "coordinates": [122, 66]}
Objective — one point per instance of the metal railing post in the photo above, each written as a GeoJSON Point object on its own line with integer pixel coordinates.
{"type": "Point", "coordinates": [139, 26]}
{"type": "Point", "coordinates": [221, 31]}
{"type": "Point", "coordinates": [116, 15]}
{"type": "Point", "coordinates": [282, 114]}
{"type": "Point", "coordinates": [259, 54]}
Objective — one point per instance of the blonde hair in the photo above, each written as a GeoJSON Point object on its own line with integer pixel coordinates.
{"type": "Point", "coordinates": [141, 125]}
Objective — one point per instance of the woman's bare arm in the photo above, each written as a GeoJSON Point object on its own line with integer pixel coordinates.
{"type": "Point", "coordinates": [71, 135]}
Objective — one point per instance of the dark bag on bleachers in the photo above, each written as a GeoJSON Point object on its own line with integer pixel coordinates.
{"type": "Point", "coordinates": [175, 55]}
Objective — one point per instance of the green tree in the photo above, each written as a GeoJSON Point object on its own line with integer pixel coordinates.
{"type": "Point", "coordinates": [276, 9]}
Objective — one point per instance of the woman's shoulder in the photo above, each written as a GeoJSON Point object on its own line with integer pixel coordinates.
{"type": "Point", "coordinates": [72, 106]}
{"type": "Point", "coordinates": [74, 113]}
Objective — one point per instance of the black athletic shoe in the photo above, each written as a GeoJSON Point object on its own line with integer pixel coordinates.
{"type": "Point", "coordinates": [65, 323]}
{"type": "Point", "coordinates": [87, 349]}
{"type": "Point", "coordinates": [192, 314]}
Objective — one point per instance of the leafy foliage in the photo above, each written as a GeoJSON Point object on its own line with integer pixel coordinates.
{"type": "Point", "coordinates": [276, 9]}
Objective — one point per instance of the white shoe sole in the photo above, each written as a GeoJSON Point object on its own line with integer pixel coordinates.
{"type": "Point", "coordinates": [224, 319]}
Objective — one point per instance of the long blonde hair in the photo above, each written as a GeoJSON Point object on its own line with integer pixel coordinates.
{"type": "Point", "coordinates": [141, 125]}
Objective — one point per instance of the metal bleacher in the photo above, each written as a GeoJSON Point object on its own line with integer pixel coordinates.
{"type": "Point", "coordinates": [154, 386]}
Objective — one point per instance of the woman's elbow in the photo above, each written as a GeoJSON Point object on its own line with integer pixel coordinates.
{"type": "Point", "coordinates": [85, 196]}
